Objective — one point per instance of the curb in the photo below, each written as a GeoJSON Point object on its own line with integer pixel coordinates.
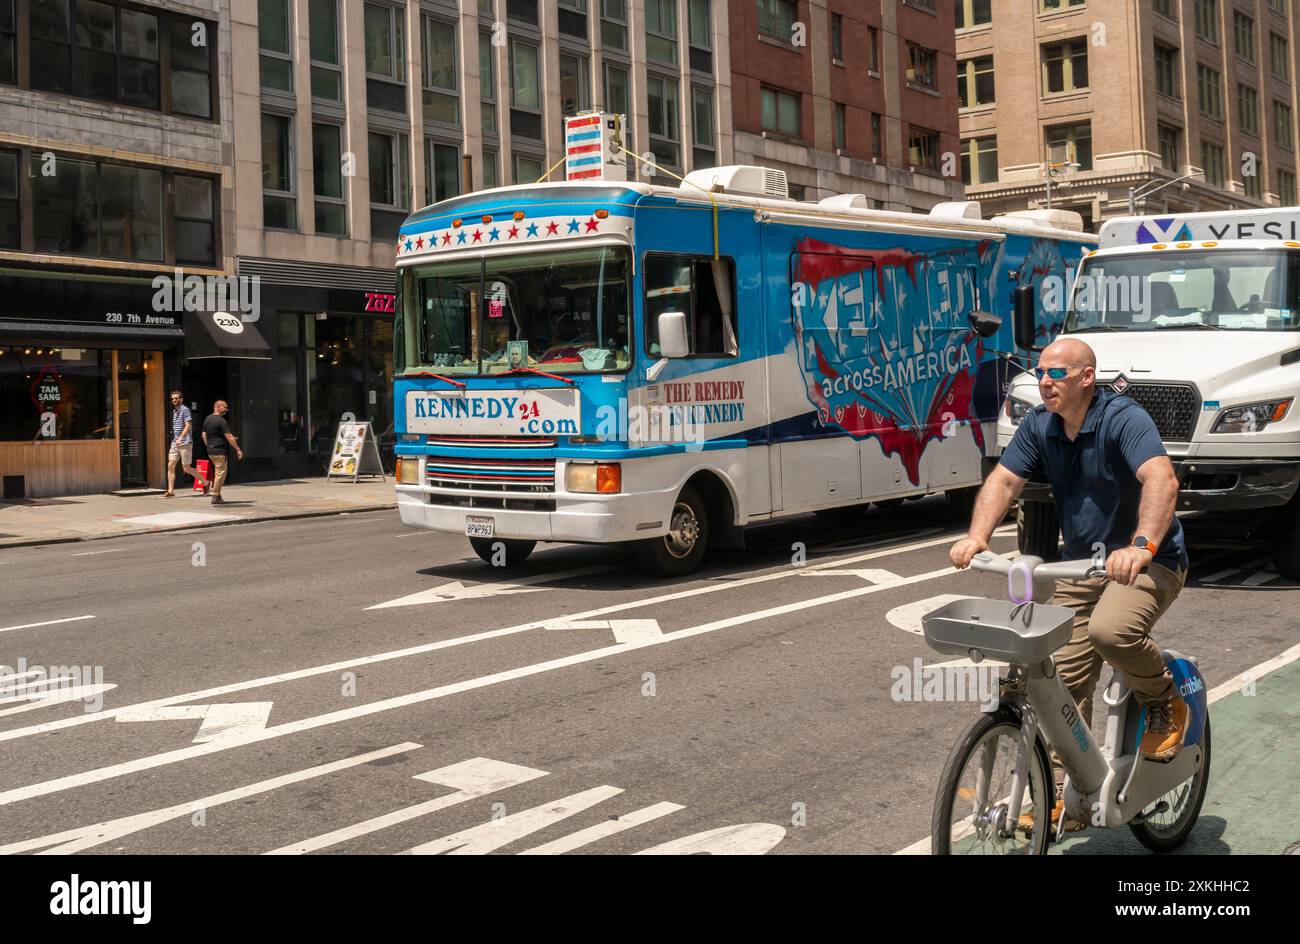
{"type": "Point", "coordinates": [353, 509]}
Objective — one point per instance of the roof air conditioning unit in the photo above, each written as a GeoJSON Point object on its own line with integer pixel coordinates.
{"type": "Point", "coordinates": [845, 201]}
{"type": "Point", "coordinates": [744, 179]}
{"type": "Point", "coordinates": [1055, 219]}
{"type": "Point", "coordinates": [957, 210]}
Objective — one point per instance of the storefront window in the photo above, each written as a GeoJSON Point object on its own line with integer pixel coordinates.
{"type": "Point", "coordinates": [336, 379]}
{"type": "Point", "coordinates": [51, 393]}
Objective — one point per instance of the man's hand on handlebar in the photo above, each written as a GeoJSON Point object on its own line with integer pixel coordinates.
{"type": "Point", "coordinates": [962, 552]}
{"type": "Point", "coordinates": [1125, 565]}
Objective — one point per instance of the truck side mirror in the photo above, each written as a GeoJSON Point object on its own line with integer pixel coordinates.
{"type": "Point", "coordinates": [1025, 323]}
{"type": "Point", "coordinates": [672, 334]}
{"type": "Point", "coordinates": [985, 323]}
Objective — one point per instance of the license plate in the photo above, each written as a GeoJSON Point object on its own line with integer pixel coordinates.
{"type": "Point", "coordinates": [476, 527]}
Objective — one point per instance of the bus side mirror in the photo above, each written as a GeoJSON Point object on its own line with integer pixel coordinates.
{"type": "Point", "coordinates": [1025, 324]}
{"type": "Point", "coordinates": [985, 323]}
{"type": "Point", "coordinates": [672, 334]}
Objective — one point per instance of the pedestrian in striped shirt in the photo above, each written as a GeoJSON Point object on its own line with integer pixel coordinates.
{"type": "Point", "coordinates": [182, 447]}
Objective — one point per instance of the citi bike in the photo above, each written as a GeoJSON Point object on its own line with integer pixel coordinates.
{"type": "Point", "coordinates": [1000, 767]}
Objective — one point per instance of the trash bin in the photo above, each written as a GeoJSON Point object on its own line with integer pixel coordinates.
{"type": "Point", "coordinates": [205, 470]}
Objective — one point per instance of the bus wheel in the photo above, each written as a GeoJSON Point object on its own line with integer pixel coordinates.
{"type": "Point", "coordinates": [889, 502]}
{"type": "Point", "coordinates": [961, 503]}
{"type": "Point", "coordinates": [1038, 530]}
{"type": "Point", "coordinates": [500, 552]}
{"type": "Point", "coordinates": [681, 550]}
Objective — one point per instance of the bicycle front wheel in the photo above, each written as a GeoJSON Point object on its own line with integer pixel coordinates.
{"type": "Point", "coordinates": [971, 809]}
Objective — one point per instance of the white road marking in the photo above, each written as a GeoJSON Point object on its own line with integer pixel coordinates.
{"type": "Point", "coordinates": [1260, 578]}
{"type": "Point", "coordinates": [492, 835]}
{"type": "Point", "coordinates": [223, 720]}
{"type": "Point", "coordinates": [744, 839]}
{"type": "Point", "coordinates": [630, 631]}
{"type": "Point", "coordinates": [471, 779]}
{"type": "Point", "coordinates": [872, 576]}
{"type": "Point", "coordinates": [1253, 565]}
{"type": "Point", "coordinates": [171, 519]}
{"type": "Point", "coordinates": [335, 667]}
{"type": "Point", "coordinates": [116, 550]}
{"type": "Point", "coordinates": [66, 619]}
{"type": "Point", "coordinates": [59, 695]}
{"type": "Point", "coordinates": [458, 591]}
{"type": "Point", "coordinates": [85, 837]}
{"type": "Point", "coordinates": [610, 827]}
{"type": "Point", "coordinates": [908, 616]}
{"type": "Point", "coordinates": [151, 762]}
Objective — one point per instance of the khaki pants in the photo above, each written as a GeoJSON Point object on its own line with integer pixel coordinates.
{"type": "Point", "coordinates": [1113, 622]}
{"type": "Point", "coordinates": [219, 465]}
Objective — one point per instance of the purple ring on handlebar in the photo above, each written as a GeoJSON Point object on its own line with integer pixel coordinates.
{"type": "Point", "coordinates": [1028, 594]}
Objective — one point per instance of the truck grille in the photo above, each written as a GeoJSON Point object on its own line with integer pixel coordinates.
{"type": "Point", "coordinates": [1174, 407]}
{"type": "Point", "coordinates": [496, 475]}
{"type": "Point", "coordinates": [496, 442]}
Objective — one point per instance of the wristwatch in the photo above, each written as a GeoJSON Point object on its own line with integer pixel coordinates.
{"type": "Point", "coordinates": [1145, 543]}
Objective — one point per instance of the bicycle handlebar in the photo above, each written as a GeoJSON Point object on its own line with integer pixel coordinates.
{"type": "Point", "coordinates": [1059, 570]}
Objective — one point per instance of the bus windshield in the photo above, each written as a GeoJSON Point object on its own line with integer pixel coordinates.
{"type": "Point", "coordinates": [564, 311]}
{"type": "Point", "coordinates": [1215, 290]}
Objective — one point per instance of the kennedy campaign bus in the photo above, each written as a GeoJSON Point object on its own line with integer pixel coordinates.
{"type": "Point", "coordinates": [592, 361]}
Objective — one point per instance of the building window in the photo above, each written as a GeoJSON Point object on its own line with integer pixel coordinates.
{"type": "Point", "coordinates": [613, 24]}
{"type": "Point", "coordinates": [974, 13]}
{"type": "Point", "coordinates": [526, 169]}
{"type": "Point", "coordinates": [441, 171]}
{"type": "Point", "coordinates": [279, 206]}
{"type": "Point", "coordinates": [877, 138]}
{"type": "Point", "coordinates": [575, 84]}
{"type": "Point", "coordinates": [1065, 66]}
{"type": "Point", "coordinates": [194, 219]}
{"type": "Point", "coordinates": [1051, 5]}
{"type": "Point", "coordinates": [1167, 8]}
{"type": "Point", "coordinates": [1282, 125]}
{"type": "Point", "coordinates": [1277, 6]}
{"type": "Point", "coordinates": [327, 179]}
{"type": "Point", "coordinates": [487, 78]}
{"type": "Point", "coordinates": [923, 148]}
{"type": "Point", "coordinates": [276, 54]}
{"type": "Point", "coordinates": [920, 65]}
{"type": "Point", "coordinates": [1166, 62]}
{"type": "Point", "coordinates": [779, 112]}
{"type": "Point", "coordinates": [776, 18]}
{"type": "Point", "coordinates": [841, 120]}
{"type": "Point", "coordinates": [837, 37]}
{"type": "Point", "coordinates": [8, 42]}
{"type": "Point", "coordinates": [1209, 90]}
{"type": "Point", "coordinates": [1279, 57]}
{"type": "Point", "coordinates": [1206, 15]}
{"type": "Point", "coordinates": [661, 31]}
{"type": "Point", "coordinates": [385, 42]}
{"type": "Point", "coordinates": [1212, 161]}
{"type": "Point", "coordinates": [525, 11]}
{"type": "Point", "coordinates": [873, 49]}
{"type": "Point", "coordinates": [617, 91]}
{"type": "Point", "coordinates": [701, 25]}
{"type": "Point", "coordinates": [326, 78]}
{"type": "Point", "coordinates": [390, 171]}
{"type": "Point", "coordinates": [1070, 144]}
{"type": "Point", "coordinates": [702, 127]}
{"type": "Point", "coordinates": [524, 92]}
{"type": "Point", "coordinates": [975, 82]}
{"type": "Point", "coordinates": [661, 95]}
{"type": "Point", "coordinates": [1286, 187]}
{"type": "Point", "coordinates": [1248, 109]}
{"type": "Point", "coordinates": [979, 160]}
{"type": "Point", "coordinates": [10, 216]}
{"type": "Point", "coordinates": [440, 90]}
{"type": "Point", "coordinates": [191, 71]}
{"type": "Point", "coordinates": [1167, 140]}
{"type": "Point", "coordinates": [490, 176]}
{"type": "Point", "coordinates": [1243, 35]}
{"type": "Point", "coordinates": [1250, 185]}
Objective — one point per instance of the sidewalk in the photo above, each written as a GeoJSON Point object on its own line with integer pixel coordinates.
{"type": "Point", "coordinates": [91, 517]}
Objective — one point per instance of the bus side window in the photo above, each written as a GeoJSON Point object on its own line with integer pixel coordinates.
{"type": "Point", "coordinates": [702, 288]}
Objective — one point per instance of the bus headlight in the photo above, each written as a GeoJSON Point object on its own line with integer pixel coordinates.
{"type": "Point", "coordinates": [604, 478]}
{"type": "Point", "coordinates": [1017, 410]}
{"type": "Point", "coordinates": [1252, 417]}
{"type": "Point", "coordinates": [408, 470]}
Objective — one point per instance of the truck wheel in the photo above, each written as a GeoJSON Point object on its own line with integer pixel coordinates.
{"type": "Point", "coordinates": [1037, 530]}
{"type": "Point", "coordinates": [961, 503]}
{"type": "Point", "coordinates": [681, 550]}
{"type": "Point", "coordinates": [513, 552]}
{"type": "Point", "coordinates": [1286, 547]}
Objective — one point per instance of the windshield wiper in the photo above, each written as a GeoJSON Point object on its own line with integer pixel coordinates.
{"type": "Point", "coordinates": [429, 373]}
{"type": "Point", "coordinates": [534, 370]}
{"type": "Point", "coordinates": [1096, 327]}
{"type": "Point", "coordinates": [1197, 326]}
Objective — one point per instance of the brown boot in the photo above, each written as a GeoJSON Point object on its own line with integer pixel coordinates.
{"type": "Point", "coordinates": [1166, 723]}
{"type": "Point", "coordinates": [1026, 821]}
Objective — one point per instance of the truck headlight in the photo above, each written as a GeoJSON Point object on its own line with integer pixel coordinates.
{"type": "Point", "coordinates": [1252, 417]}
{"type": "Point", "coordinates": [604, 478]}
{"type": "Point", "coordinates": [408, 470]}
{"type": "Point", "coordinates": [1017, 410]}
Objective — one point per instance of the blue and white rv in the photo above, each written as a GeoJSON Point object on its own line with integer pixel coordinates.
{"type": "Point", "coordinates": [620, 362]}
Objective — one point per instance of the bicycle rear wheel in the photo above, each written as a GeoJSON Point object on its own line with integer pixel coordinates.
{"type": "Point", "coordinates": [1169, 830]}
{"type": "Point", "coordinates": [970, 809]}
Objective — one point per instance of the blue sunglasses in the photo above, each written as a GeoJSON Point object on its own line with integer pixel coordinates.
{"type": "Point", "coordinates": [1056, 373]}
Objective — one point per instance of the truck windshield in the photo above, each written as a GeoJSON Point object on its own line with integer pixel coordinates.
{"type": "Point", "coordinates": [1223, 290]}
{"type": "Point", "coordinates": [558, 312]}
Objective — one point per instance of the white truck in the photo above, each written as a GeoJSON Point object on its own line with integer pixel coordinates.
{"type": "Point", "coordinates": [1197, 318]}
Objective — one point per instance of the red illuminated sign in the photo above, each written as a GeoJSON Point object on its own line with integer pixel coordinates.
{"type": "Point", "coordinates": [381, 301]}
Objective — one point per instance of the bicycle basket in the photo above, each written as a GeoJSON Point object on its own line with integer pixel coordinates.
{"type": "Point", "coordinates": [1033, 634]}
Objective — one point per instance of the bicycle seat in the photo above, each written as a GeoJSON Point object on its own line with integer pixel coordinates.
{"type": "Point", "coordinates": [1021, 634]}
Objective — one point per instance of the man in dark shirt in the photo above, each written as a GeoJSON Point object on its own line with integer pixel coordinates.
{"type": "Point", "coordinates": [218, 439]}
{"type": "Point", "coordinates": [1115, 491]}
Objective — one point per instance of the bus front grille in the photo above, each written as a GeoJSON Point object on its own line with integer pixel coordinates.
{"type": "Point", "coordinates": [492, 476]}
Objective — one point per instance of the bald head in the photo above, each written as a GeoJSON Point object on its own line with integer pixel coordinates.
{"type": "Point", "coordinates": [1070, 394]}
{"type": "Point", "coordinates": [1068, 352]}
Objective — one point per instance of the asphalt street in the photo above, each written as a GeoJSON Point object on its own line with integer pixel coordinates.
{"type": "Point", "coordinates": [346, 685]}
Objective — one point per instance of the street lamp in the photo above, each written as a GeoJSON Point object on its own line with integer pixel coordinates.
{"type": "Point", "coordinates": [1135, 192]}
{"type": "Point", "coordinates": [1051, 169]}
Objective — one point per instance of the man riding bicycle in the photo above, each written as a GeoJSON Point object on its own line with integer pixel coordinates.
{"type": "Point", "coordinates": [1114, 487]}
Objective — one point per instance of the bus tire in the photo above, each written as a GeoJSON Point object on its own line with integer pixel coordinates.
{"type": "Point", "coordinates": [681, 550]}
{"type": "Point", "coordinates": [1037, 530]}
{"type": "Point", "coordinates": [512, 552]}
{"type": "Point", "coordinates": [889, 502]}
{"type": "Point", "coordinates": [961, 503]}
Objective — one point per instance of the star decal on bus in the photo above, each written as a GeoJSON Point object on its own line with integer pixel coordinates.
{"type": "Point", "coordinates": [532, 229]}
{"type": "Point", "coordinates": [573, 226]}
{"type": "Point", "coordinates": [478, 236]}
{"type": "Point", "coordinates": [552, 228]}
{"type": "Point", "coordinates": [592, 225]}
{"type": "Point", "coordinates": [513, 231]}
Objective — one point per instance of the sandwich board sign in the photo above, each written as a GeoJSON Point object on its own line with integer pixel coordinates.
{"type": "Point", "coordinates": [356, 453]}
{"type": "Point", "coordinates": [593, 145]}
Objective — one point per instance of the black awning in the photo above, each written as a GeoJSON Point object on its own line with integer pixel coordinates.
{"type": "Point", "coordinates": [222, 334]}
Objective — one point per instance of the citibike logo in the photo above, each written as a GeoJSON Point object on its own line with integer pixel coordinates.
{"type": "Point", "coordinates": [1191, 687]}
{"type": "Point", "coordinates": [1075, 725]}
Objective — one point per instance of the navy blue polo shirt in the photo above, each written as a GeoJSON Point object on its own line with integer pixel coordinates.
{"type": "Point", "coordinates": [1094, 478]}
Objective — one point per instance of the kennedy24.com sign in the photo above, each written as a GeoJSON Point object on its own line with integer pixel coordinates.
{"type": "Point", "coordinates": [494, 412]}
